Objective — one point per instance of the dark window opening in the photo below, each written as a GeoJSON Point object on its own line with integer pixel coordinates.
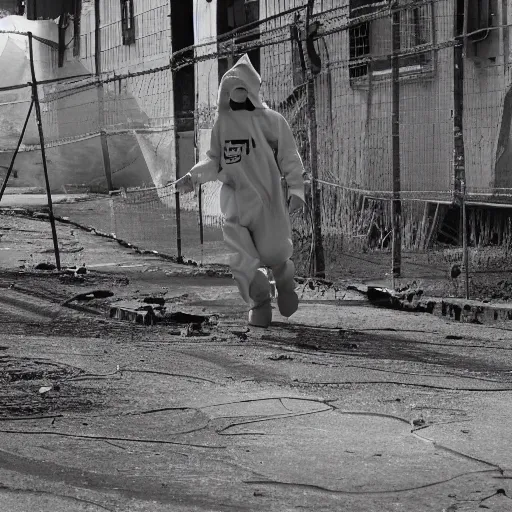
{"type": "Point", "coordinates": [76, 28]}
{"type": "Point", "coordinates": [47, 9]}
{"type": "Point", "coordinates": [480, 15]}
{"type": "Point", "coordinates": [20, 7]}
{"type": "Point", "coordinates": [128, 22]}
{"type": "Point", "coordinates": [479, 18]}
{"type": "Point", "coordinates": [182, 29]}
{"type": "Point", "coordinates": [233, 14]}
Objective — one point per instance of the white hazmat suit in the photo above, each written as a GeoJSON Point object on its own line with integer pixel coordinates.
{"type": "Point", "coordinates": [250, 151]}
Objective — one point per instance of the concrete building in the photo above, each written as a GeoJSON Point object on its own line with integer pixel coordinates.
{"type": "Point", "coordinates": [353, 92]}
{"type": "Point", "coordinates": [157, 125]}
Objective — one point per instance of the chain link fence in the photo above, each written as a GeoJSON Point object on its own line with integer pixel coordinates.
{"type": "Point", "coordinates": [379, 100]}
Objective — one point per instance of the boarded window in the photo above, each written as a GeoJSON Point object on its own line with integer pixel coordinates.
{"type": "Point", "coordinates": [128, 21]}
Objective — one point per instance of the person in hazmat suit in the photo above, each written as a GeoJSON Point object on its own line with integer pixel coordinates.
{"type": "Point", "coordinates": [252, 147]}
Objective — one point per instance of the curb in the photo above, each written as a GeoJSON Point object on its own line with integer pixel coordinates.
{"type": "Point", "coordinates": [460, 310]}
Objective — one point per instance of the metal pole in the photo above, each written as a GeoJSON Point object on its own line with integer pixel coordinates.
{"type": "Point", "coordinates": [315, 192]}
{"type": "Point", "coordinates": [396, 204]}
{"type": "Point", "coordinates": [465, 255]}
{"type": "Point", "coordinates": [316, 197]}
{"type": "Point", "coordinates": [178, 226]}
{"type": "Point", "coordinates": [458, 99]}
{"type": "Point", "coordinates": [173, 12]}
{"type": "Point", "coordinates": [459, 160]}
{"type": "Point", "coordinates": [177, 164]}
{"type": "Point", "coordinates": [101, 97]}
{"type": "Point", "coordinates": [35, 100]}
{"type": "Point", "coordinates": [201, 226]}
{"type": "Point", "coordinates": [11, 166]}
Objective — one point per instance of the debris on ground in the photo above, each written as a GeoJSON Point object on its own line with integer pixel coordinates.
{"type": "Point", "coordinates": [281, 357]}
{"type": "Point", "coordinates": [95, 294]}
{"type": "Point", "coordinates": [45, 266]}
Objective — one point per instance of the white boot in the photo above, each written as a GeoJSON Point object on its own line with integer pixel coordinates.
{"type": "Point", "coordinates": [260, 314]}
{"type": "Point", "coordinates": [287, 298]}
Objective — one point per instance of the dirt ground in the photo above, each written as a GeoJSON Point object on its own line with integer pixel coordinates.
{"type": "Point", "coordinates": [341, 407]}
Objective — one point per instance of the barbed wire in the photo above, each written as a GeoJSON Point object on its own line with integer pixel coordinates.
{"type": "Point", "coordinates": [47, 42]}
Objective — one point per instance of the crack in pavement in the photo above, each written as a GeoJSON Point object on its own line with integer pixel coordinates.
{"type": "Point", "coordinates": [109, 438]}
{"type": "Point", "coordinates": [16, 490]}
{"type": "Point", "coordinates": [445, 375]}
{"type": "Point", "coordinates": [364, 493]}
{"type": "Point", "coordinates": [269, 418]}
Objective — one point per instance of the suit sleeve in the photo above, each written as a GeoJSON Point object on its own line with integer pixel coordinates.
{"type": "Point", "coordinates": [289, 159]}
{"type": "Point", "coordinates": [208, 169]}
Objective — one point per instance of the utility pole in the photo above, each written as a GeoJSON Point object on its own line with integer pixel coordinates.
{"type": "Point", "coordinates": [101, 96]}
{"type": "Point", "coordinates": [396, 204]}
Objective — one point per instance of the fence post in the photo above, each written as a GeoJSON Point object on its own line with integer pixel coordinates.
{"type": "Point", "coordinates": [459, 163]}
{"type": "Point", "coordinates": [465, 250]}
{"type": "Point", "coordinates": [396, 204]}
{"type": "Point", "coordinates": [101, 97]}
{"type": "Point", "coordinates": [35, 99]}
{"type": "Point", "coordinates": [177, 168]}
{"type": "Point", "coordinates": [316, 201]}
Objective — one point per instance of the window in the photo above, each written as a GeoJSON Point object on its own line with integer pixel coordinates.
{"type": "Point", "coordinates": [480, 17]}
{"type": "Point", "coordinates": [20, 7]}
{"type": "Point", "coordinates": [76, 28]}
{"type": "Point", "coordinates": [232, 14]}
{"type": "Point", "coordinates": [371, 43]}
{"type": "Point", "coordinates": [359, 37]}
{"type": "Point", "coordinates": [128, 21]}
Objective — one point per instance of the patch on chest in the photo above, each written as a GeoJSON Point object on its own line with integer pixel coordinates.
{"type": "Point", "coordinates": [234, 149]}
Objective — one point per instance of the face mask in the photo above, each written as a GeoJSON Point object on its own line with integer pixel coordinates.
{"type": "Point", "coordinates": [239, 95]}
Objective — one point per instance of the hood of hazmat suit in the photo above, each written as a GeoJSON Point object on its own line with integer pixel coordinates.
{"type": "Point", "coordinates": [242, 74]}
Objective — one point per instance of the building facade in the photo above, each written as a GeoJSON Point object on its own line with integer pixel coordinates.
{"type": "Point", "coordinates": [354, 89]}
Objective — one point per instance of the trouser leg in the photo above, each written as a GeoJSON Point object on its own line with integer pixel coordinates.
{"type": "Point", "coordinates": [244, 257]}
{"type": "Point", "coordinates": [272, 240]}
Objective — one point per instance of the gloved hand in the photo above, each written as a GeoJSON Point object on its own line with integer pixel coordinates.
{"type": "Point", "coordinates": [295, 203]}
{"type": "Point", "coordinates": [185, 184]}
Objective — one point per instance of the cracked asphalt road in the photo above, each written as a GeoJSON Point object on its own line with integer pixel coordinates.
{"type": "Point", "coordinates": [342, 407]}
